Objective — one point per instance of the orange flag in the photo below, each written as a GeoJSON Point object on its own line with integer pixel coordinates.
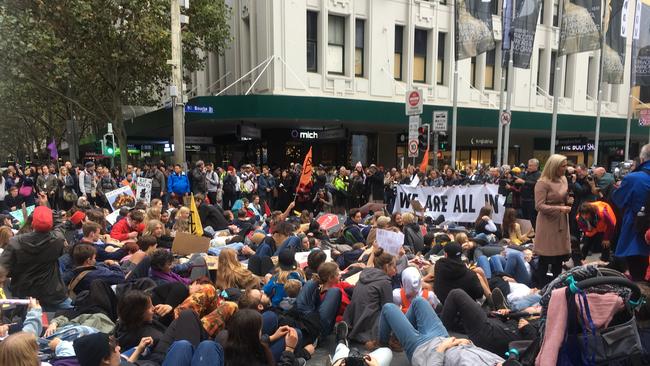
{"type": "Point", "coordinates": [307, 171]}
{"type": "Point", "coordinates": [425, 161]}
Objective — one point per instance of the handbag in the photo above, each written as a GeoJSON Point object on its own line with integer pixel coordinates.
{"type": "Point", "coordinates": [26, 191]}
{"type": "Point", "coordinates": [69, 196]}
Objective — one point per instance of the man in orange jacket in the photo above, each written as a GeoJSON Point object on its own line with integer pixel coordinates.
{"type": "Point", "coordinates": [597, 221]}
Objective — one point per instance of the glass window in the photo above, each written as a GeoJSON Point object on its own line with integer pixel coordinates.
{"type": "Point", "coordinates": [551, 80]}
{"type": "Point", "coordinates": [359, 35]}
{"type": "Point", "coordinates": [489, 69]}
{"type": "Point", "coordinates": [556, 8]}
{"type": "Point", "coordinates": [420, 56]}
{"type": "Point", "coordinates": [312, 41]}
{"type": "Point", "coordinates": [336, 45]}
{"type": "Point", "coordinates": [440, 64]}
{"type": "Point", "coordinates": [472, 74]}
{"type": "Point", "coordinates": [494, 5]}
{"type": "Point", "coordinates": [540, 59]}
{"type": "Point", "coordinates": [540, 20]}
{"type": "Point", "coordinates": [399, 42]}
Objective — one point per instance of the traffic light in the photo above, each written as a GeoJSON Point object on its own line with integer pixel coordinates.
{"type": "Point", "coordinates": [109, 148]}
{"type": "Point", "coordinates": [443, 141]}
{"type": "Point", "coordinates": [423, 138]}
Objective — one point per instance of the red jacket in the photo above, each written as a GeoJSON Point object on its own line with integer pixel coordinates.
{"type": "Point", "coordinates": [121, 230]}
{"type": "Point", "coordinates": [605, 221]}
{"type": "Point", "coordinates": [345, 299]}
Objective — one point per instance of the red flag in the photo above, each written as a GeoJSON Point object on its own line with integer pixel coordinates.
{"type": "Point", "coordinates": [305, 177]}
{"type": "Point", "coordinates": [267, 209]}
{"type": "Point", "coordinates": [425, 161]}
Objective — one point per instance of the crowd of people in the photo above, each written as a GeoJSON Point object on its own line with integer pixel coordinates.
{"type": "Point", "coordinates": [76, 289]}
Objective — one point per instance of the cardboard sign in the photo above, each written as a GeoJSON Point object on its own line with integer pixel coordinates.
{"type": "Point", "coordinates": [390, 241]}
{"type": "Point", "coordinates": [143, 189]}
{"type": "Point", "coordinates": [328, 221]}
{"type": "Point", "coordinates": [185, 244]}
{"type": "Point", "coordinates": [121, 197]}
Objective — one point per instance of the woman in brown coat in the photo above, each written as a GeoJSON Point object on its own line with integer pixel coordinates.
{"type": "Point", "coordinates": [552, 202]}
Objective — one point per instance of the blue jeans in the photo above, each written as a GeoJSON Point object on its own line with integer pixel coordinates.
{"type": "Point", "coordinates": [419, 325]}
{"type": "Point", "coordinates": [308, 301]}
{"type": "Point", "coordinates": [484, 263]}
{"type": "Point", "coordinates": [524, 302]}
{"type": "Point", "coordinates": [63, 305]}
{"type": "Point", "coordinates": [182, 353]}
{"type": "Point", "coordinates": [516, 266]}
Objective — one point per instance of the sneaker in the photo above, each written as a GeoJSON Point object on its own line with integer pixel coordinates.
{"type": "Point", "coordinates": [499, 301]}
{"type": "Point", "coordinates": [341, 330]}
{"type": "Point", "coordinates": [301, 361]}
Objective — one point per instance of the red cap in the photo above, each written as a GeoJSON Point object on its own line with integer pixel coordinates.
{"type": "Point", "coordinates": [231, 168]}
{"type": "Point", "coordinates": [42, 220]}
{"type": "Point", "coordinates": [78, 217]}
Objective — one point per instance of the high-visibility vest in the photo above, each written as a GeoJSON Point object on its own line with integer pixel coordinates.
{"type": "Point", "coordinates": [406, 302]}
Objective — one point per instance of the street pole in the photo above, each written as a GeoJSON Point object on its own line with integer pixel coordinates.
{"type": "Point", "coordinates": [499, 126]}
{"type": "Point", "coordinates": [177, 84]}
{"type": "Point", "coordinates": [435, 151]}
{"type": "Point", "coordinates": [557, 79]}
{"type": "Point", "coordinates": [600, 85]}
{"type": "Point", "coordinates": [627, 127]}
{"type": "Point", "coordinates": [454, 117]}
{"type": "Point", "coordinates": [511, 76]}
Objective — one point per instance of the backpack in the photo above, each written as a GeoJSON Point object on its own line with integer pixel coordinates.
{"type": "Point", "coordinates": [642, 218]}
{"type": "Point", "coordinates": [75, 281]}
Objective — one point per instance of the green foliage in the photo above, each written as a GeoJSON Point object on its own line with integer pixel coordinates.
{"type": "Point", "coordinates": [91, 57]}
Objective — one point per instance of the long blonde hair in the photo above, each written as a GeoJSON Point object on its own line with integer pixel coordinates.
{"type": "Point", "coordinates": [552, 167]}
{"type": "Point", "coordinates": [152, 213]}
{"type": "Point", "coordinates": [230, 272]}
{"type": "Point", "coordinates": [5, 235]}
{"type": "Point", "coordinates": [151, 226]}
{"type": "Point", "coordinates": [19, 349]}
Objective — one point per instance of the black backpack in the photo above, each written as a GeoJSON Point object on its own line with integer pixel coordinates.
{"type": "Point", "coordinates": [642, 218]}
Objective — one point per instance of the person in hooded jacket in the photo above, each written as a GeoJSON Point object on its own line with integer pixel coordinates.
{"type": "Point", "coordinates": [373, 290]}
{"type": "Point", "coordinates": [32, 261]}
{"type": "Point", "coordinates": [413, 237]}
{"type": "Point", "coordinates": [450, 272]}
{"type": "Point", "coordinates": [352, 231]}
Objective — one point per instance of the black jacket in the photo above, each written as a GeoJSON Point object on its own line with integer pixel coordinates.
{"type": "Point", "coordinates": [451, 274]}
{"type": "Point", "coordinates": [528, 190]}
{"type": "Point", "coordinates": [33, 263]}
{"type": "Point", "coordinates": [375, 184]}
{"type": "Point", "coordinates": [413, 237]}
{"type": "Point", "coordinates": [211, 216]}
{"type": "Point", "coordinates": [199, 184]}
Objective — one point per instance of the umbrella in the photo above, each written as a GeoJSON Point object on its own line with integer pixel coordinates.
{"type": "Point", "coordinates": [374, 207]}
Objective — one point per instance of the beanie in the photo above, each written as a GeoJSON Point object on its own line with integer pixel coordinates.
{"type": "Point", "coordinates": [42, 220]}
{"type": "Point", "coordinates": [77, 217]}
{"type": "Point", "coordinates": [92, 349]}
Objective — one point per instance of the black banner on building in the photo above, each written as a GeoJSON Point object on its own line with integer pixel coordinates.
{"type": "Point", "coordinates": [641, 44]}
{"type": "Point", "coordinates": [522, 33]}
{"type": "Point", "coordinates": [473, 28]}
{"type": "Point", "coordinates": [615, 36]}
{"type": "Point", "coordinates": [580, 30]}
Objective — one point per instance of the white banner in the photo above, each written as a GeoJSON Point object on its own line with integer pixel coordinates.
{"type": "Point", "coordinates": [459, 203]}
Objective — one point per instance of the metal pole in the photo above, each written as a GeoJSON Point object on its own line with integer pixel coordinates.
{"type": "Point", "coordinates": [177, 81]}
{"type": "Point", "coordinates": [506, 132]}
{"type": "Point", "coordinates": [557, 79]}
{"type": "Point", "coordinates": [600, 85]}
{"type": "Point", "coordinates": [627, 127]}
{"type": "Point", "coordinates": [435, 151]}
{"type": "Point", "coordinates": [454, 117]}
{"type": "Point", "coordinates": [502, 86]}
{"type": "Point", "coordinates": [113, 154]}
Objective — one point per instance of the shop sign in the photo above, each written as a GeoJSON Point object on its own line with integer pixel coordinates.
{"type": "Point", "coordinates": [333, 134]}
{"type": "Point", "coordinates": [146, 147]}
{"type": "Point", "coordinates": [439, 121]}
{"type": "Point", "coordinates": [481, 141]}
{"type": "Point", "coordinates": [199, 140]}
{"type": "Point", "coordinates": [249, 132]}
{"type": "Point", "coordinates": [577, 147]}
{"type": "Point", "coordinates": [193, 148]}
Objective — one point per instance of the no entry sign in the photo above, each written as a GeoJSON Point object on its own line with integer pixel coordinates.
{"type": "Point", "coordinates": [414, 102]}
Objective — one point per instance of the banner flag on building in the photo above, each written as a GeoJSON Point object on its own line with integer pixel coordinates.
{"type": "Point", "coordinates": [307, 172]}
{"type": "Point", "coordinates": [196, 227]}
{"type": "Point", "coordinates": [615, 27]}
{"type": "Point", "coordinates": [580, 29]}
{"type": "Point", "coordinates": [522, 33]}
{"type": "Point", "coordinates": [641, 44]}
{"type": "Point", "coordinates": [473, 28]}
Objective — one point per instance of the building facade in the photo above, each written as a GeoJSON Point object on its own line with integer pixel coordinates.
{"type": "Point", "coordinates": [333, 74]}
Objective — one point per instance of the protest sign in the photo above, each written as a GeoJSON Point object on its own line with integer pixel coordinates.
{"type": "Point", "coordinates": [143, 189]}
{"type": "Point", "coordinates": [390, 241]}
{"type": "Point", "coordinates": [459, 203]}
{"type": "Point", "coordinates": [121, 197]}
{"type": "Point", "coordinates": [186, 244]}
{"type": "Point", "coordinates": [20, 217]}
{"type": "Point", "coordinates": [301, 257]}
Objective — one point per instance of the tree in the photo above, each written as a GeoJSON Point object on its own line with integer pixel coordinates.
{"type": "Point", "coordinates": [99, 55]}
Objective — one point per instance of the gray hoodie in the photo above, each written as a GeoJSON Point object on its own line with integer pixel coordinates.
{"type": "Point", "coordinates": [371, 293]}
{"type": "Point", "coordinates": [465, 355]}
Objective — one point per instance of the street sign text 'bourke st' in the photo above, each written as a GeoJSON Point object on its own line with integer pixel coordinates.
{"type": "Point", "coordinates": [414, 102]}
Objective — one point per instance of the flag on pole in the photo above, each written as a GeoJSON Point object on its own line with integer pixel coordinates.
{"type": "Point", "coordinates": [305, 177]}
{"type": "Point", "coordinates": [615, 41]}
{"type": "Point", "coordinates": [473, 28]}
{"type": "Point", "coordinates": [195, 220]}
{"type": "Point", "coordinates": [425, 161]}
{"type": "Point", "coordinates": [521, 32]}
{"type": "Point", "coordinates": [54, 153]}
{"type": "Point", "coordinates": [641, 44]}
{"type": "Point", "coordinates": [267, 209]}
{"type": "Point", "coordinates": [580, 30]}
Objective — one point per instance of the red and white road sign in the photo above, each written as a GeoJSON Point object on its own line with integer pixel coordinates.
{"type": "Point", "coordinates": [413, 148]}
{"type": "Point", "coordinates": [414, 102]}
